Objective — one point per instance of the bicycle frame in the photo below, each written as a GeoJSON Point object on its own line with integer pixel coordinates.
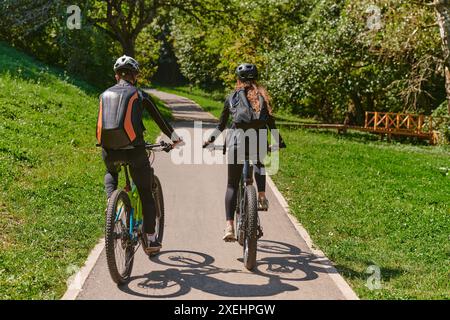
{"type": "Point", "coordinates": [136, 217]}
{"type": "Point", "coordinates": [246, 179]}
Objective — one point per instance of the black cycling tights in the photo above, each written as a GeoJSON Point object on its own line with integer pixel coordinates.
{"type": "Point", "coordinates": [234, 176]}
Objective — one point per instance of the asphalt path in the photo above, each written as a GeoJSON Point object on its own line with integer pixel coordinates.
{"type": "Point", "coordinates": [195, 263]}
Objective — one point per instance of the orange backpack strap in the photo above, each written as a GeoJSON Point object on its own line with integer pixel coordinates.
{"type": "Point", "coordinates": [128, 121]}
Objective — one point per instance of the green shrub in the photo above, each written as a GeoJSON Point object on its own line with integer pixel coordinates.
{"type": "Point", "coordinates": [442, 122]}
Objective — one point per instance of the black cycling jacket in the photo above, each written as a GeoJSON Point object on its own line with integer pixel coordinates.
{"type": "Point", "coordinates": [148, 104]}
{"type": "Point", "coordinates": [223, 120]}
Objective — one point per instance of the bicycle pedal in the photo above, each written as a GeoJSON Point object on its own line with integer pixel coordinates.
{"type": "Point", "coordinates": [154, 254]}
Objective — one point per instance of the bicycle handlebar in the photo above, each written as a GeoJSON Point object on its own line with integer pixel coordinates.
{"type": "Point", "coordinates": [212, 146]}
{"type": "Point", "coordinates": [164, 146]}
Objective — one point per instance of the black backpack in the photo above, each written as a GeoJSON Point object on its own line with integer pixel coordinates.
{"type": "Point", "coordinates": [243, 114]}
{"type": "Point", "coordinates": [118, 123]}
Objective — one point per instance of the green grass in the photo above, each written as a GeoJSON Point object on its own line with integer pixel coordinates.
{"type": "Point", "coordinates": [51, 196]}
{"type": "Point", "coordinates": [373, 203]}
{"type": "Point", "coordinates": [366, 202]}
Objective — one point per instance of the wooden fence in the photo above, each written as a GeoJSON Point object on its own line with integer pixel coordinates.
{"type": "Point", "coordinates": [385, 124]}
{"type": "Point", "coordinates": [397, 124]}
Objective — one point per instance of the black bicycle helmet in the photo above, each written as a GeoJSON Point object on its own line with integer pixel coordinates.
{"type": "Point", "coordinates": [126, 62]}
{"type": "Point", "coordinates": [247, 71]}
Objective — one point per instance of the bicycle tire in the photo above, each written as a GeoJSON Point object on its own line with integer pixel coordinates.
{"type": "Point", "coordinates": [159, 204]}
{"type": "Point", "coordinates": [251, 231]}
{"type": "Point", "coordinates": [110, 238]}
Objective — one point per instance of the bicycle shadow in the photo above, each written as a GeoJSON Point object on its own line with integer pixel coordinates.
{"type": "Point", "coordinates": [189, 270]}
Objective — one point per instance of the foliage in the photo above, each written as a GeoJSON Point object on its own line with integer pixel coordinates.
{"type": "Point", "coordinates": [88, 52]}
{"type": "Point", "coordinates": [147, 53]}
{"type": "Point", "coordinates": [347, 67]}
{"type": "Point", "coordinates": [322, 58]}
{"type": "Point", "coordinates": [442, 123]}
{"type": "Point", "coordinates": [209, 51]}
{"type": "Point", "coordinates": [39, 27]}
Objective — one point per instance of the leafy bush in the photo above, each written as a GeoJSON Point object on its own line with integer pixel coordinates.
{"type": "Point", "coordinates": [442, 122]}
{"type": "Point", "coordinates": [334, 64]}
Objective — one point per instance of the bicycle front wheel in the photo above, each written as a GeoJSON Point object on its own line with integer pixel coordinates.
{"type": "Point", "coordinates": [251, 230]}
{"type": "Point", "coordinates": [118, 246]}
{"type": "Point", "coordinates": [159, 204]}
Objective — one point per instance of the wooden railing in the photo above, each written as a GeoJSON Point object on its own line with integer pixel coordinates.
{"type": "Point", "coordinates": [387, 124]}
{"type": "Point", "coordinates": [404, 123]}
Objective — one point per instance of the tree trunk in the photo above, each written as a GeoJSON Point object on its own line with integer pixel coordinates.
{"type": "Point", "coordinates": [357, 109]}
{"type": "Point", "coordinates": [442, 8]}
{"type": "Point", "coordinates": [128, 45]}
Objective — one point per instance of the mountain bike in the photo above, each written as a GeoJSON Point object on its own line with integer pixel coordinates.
{"type": "Point", "coordinates": [123, 229]}
{"type": "Point", "coordinates": [247, 224]}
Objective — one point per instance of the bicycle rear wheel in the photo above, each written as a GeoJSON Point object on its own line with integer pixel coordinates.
{"type": "Point", "coordinates": [118, 246]}
{"type": "Point", "coordinates": [239, 218]}
{"type": "Point", "coordinates": [251, 230]}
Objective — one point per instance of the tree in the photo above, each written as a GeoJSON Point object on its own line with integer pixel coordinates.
{"type": "Point", "coordinates": [442, 8]}
{"type": "Point", "coordinates": [124, 20]}
{"type": "Point", "coordinates": [19, 18]}
{"type": "Point", "coordinates": [209, 51]}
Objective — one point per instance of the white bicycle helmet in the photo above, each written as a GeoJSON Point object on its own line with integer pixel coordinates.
{"type": "Point", "coordinates": [126, 62]}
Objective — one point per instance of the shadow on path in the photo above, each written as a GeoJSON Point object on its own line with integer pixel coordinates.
{"type": "Point", "coordinates": [195, 270]}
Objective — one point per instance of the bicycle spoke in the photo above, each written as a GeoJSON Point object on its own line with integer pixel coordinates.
{"type": "Point", "coordinates": [118, 248]}
{"type": "Point", "coordinates": [127, 262]}
{"type": "Point", "coordinates": [157, 226]}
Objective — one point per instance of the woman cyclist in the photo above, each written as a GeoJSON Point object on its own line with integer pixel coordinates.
{"type": "Point", "coordinates": [247, 94]}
